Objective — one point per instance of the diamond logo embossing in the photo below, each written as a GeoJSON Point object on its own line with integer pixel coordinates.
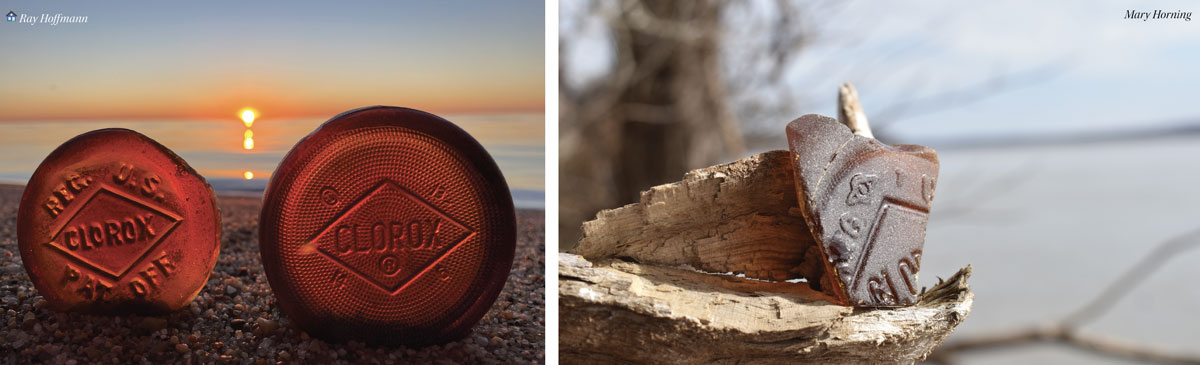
{"type": "Point", "coordinates": [112, 231]}
{"type": "Point", "coordinates": [389, 237]}
{"type": "Point", "coordinates": [897, 280]}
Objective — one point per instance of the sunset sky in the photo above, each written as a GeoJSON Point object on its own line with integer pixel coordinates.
{"type": "Point", "coordinates": [153, 60]}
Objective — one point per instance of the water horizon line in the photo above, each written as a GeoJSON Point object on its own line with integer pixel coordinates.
{"type": "Point", "coordinates": [233, 117]}
{"type": "Point", "coordinates": [523, 198]}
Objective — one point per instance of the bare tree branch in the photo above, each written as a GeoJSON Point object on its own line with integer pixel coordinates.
{"type": "Point", "coordinates": [641, 19]}
{"type": "Point", "coordinates": [850, 112]}
{"type": "Point", "coordinates": [1066, 331]}
{"type": "Point", "coordinates": [1136, 274]}
{"type": "Point", "coordinates": [954, 98]}
{"type": "Point", "coordinates": [987, 191]}
{"type": "Point", "coordinates": [1056, 334]}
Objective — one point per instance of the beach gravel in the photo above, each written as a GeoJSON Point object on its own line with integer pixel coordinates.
{"type": "Point", "coordinates": [235, 319]}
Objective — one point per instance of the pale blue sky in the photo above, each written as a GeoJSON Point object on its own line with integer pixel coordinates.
{"type": "Point", "coordinates": [1075, 66]}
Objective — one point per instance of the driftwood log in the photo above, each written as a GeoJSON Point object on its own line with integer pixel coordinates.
{"type": "Point", "coordinates": [707, 270]}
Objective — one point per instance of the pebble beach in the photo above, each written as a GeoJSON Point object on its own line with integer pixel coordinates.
{"type": "Point", "coordinates": [235, 318]}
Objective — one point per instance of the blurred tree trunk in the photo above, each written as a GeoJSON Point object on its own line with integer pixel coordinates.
{"type": "Point", "coordinates": [661, 113]}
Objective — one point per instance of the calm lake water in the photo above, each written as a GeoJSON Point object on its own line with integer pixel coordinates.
{"type": "Point", "coordinates": [1048, 227]}
{"type": "Point", "coordinates": [217, 148]}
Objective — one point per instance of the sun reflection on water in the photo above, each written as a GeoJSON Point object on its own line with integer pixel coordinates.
{"type": "Point", "coordinates": [248, 116]}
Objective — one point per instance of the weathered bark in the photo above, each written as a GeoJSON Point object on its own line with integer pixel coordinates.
{"type": "Point", "coordinates": [741, 217]}
{"type": "Point", "coordinates": [616, 311]}
{"type": "Point", "coordinates": [656, 283]}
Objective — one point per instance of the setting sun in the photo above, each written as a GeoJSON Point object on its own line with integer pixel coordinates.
{"type": "Point", "coordinates": [248, 117]}
{"type": "Point", "coordinates": [249, 175]}
{"type": "Point", "coordinates": [248, 143]}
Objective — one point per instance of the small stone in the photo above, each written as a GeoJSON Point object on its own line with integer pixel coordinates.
{"type": "Point", "coordinates": [238, 324]}
{"type": "Point", "coordinates": [182, 348]}
{"type": "Point", "coordinates": [284, 355]}
{"type": "Point", "coordinates": [507, 314]}
{"type": "Point", "coordinates": [218, 345]}
{"type": "Point", "coordinates": [29, 321]}
{"type": "Point", "coordinates": [265, 327]}
{"type": "Point", "coordinates": [231, 290]}
{"type": "Point", "coordinates": [481, 341]}
{"type": "Point", "coordinates": [495, 341]}
{"type": "Point", "coordinates": [94, 352]}
{"type": "Point", "coordinates": [152, 324]}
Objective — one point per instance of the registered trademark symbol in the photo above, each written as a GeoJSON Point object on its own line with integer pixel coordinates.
{"type": "Point", "coordinates": [442, 273]}
{"type": "Point", "coordinates": [390, 265]}
{"type": "Point", "coordinates": [329, 196]}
